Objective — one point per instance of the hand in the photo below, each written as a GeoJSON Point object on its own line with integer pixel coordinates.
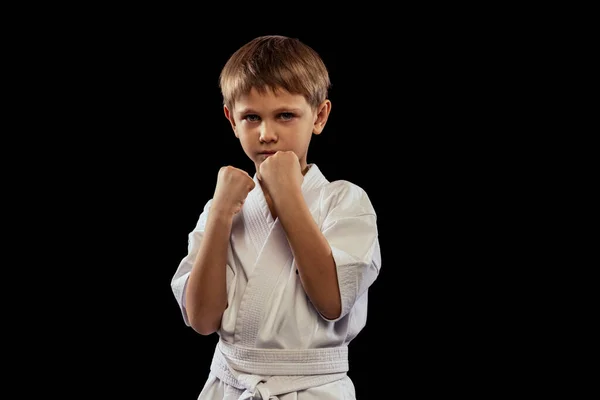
{"type": "Point", "coordinates": [233, 186]}
{"type": "Point", "coordinates": [281, 173]}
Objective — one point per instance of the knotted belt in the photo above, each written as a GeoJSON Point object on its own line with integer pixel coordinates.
{"type": "Point", "coordinates": [267, 373]}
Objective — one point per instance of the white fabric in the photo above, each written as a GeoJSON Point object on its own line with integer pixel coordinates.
{"type": "Point", "coordinates": [272, 372]}
{"type": "Point", "coordinates": [268, 308]}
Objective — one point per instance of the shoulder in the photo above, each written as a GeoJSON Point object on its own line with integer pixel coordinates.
{"type": "Point", "coordinates": [346, 195]}
{"type": "Point", "coordinates": [343, 188]}
{"type": "Point", "coordinates": [206, 209]}
{"type": "Point", "coordinates": [202, 218]}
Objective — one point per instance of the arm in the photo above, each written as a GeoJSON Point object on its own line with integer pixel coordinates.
{"type": "Point", "coordinates": [206, 291]}
{"type": "Point", "coordinates": [312, 252]}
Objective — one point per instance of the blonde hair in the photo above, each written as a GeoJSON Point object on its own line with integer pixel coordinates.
{"type": "Point", "coordinates": [275, 62]}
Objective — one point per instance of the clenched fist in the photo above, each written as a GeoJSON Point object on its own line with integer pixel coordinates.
{"type": "Point", "coordinates": [281, 172]}
{"type": "Point", "coordinates": [233, 186]}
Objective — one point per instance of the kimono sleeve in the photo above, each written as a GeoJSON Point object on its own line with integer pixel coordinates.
{"type": "Point", "coordinates": [350, 226]}
{"type": "Point", "coordinates": [179, 280]}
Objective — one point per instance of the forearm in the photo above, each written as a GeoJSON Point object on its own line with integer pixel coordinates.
{"type": "Point", "coordinates": [312, 253]}
{"type": "Point", "coordinates": [206, 293]}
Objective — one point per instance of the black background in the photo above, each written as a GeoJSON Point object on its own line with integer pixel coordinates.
{"type": "Point", "coordinates": [198, 140]}
{"type": "Point", "coordinates": [137, 115]}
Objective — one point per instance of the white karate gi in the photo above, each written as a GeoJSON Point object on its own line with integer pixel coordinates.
{"type": "Point", "coordinates": [273, 343]}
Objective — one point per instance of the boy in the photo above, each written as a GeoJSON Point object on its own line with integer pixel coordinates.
{"type": "Point", "coordinates": [279, 264]}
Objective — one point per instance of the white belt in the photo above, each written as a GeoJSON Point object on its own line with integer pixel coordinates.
{"type": "Point", "coordinates": [266, 373]}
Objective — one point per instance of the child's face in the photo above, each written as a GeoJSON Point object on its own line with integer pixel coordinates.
{"type": "Point", "coordinates": [279, 121]}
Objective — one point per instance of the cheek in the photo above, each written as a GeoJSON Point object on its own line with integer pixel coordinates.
{"type": "Point", "coordinates": [246, 141]}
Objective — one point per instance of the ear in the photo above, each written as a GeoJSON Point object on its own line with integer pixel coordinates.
{"type": "Point", "coordinates": [322, 114]}
{"type": "Point", "coordinates": [229, 116]}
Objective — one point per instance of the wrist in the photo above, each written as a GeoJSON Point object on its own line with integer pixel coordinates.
{"type": "Point", "coordinates": [221, 215]}
{"type": "Point", "coordinates": [287, 198]}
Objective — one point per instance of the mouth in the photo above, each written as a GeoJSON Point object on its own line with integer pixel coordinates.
{"type": "Point", "coordinates": [267, 153]}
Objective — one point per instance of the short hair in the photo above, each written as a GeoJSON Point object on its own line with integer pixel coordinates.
{"type": "Point", "coordinates": [275, 62]}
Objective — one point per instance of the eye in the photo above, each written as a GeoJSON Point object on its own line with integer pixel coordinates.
{"type": "Point", "coordinates": [286, 116]}
{"type": "Point", "coordinates": [251, 118]}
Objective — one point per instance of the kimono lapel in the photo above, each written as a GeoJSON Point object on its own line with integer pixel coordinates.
{"type": "Point", "coordinates": [257, 223]}
{"type": "Point", "coordinates": [273, 257]}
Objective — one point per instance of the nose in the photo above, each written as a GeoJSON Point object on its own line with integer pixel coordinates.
{"type": "Point", "coordinates": [267, 133]}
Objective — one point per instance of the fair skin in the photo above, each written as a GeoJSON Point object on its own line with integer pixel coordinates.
{"type": "Point", "coordinates": [274, 129]}
{"type": "Point", "coordinates": [206, 293]}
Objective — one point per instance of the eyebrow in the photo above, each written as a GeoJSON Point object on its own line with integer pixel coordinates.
{"type": "Point", "coordinates": [276, 111]}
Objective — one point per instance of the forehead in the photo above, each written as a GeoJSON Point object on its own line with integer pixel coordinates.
{"type": "Point", "coordinates": [269, 100]}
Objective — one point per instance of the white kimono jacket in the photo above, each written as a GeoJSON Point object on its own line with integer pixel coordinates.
{"type": "Point", "coordinates": [273, 343]}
